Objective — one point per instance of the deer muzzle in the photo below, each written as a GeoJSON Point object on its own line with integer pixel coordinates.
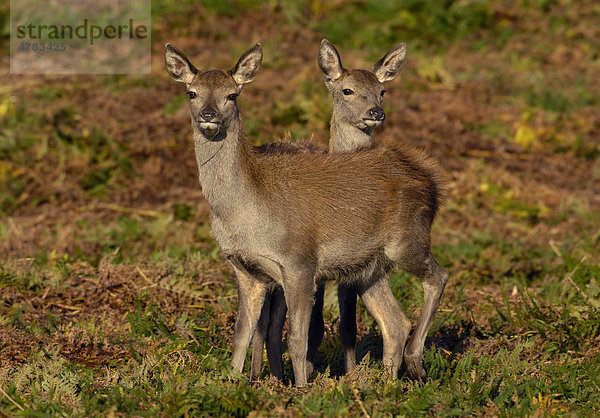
{"type": "Point", "coordinates": [376, 117]}
{"type": "Point", "coordinates": [209, 122]}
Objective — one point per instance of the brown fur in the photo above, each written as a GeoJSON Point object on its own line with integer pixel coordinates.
{"type": "Point", "coordinates": [293, 218]}
{"type": "Point", "coordinates": [352, 122]}
{"type": "Point", "coordinates": [289, 147]}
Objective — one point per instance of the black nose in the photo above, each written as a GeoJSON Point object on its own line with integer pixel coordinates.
{"type": "Point", "coordinates": [377, 113]}
{"type": "Point", "coordinates": [208, 114]}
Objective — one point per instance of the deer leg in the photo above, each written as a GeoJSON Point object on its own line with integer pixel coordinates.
{"type": "Point", "coordinates": [299, 290]}
{"type": "Point", "coordinates": [433, 279]}
{"type": "Point", "coordinates": [347, 302]}
{"type": "Point", "coordinates": [393, 323]}
{"type": "Point", "coordinates": [251, 295]}
{"type": "Point", "coordinates": [260, 336]}
{"type": "Point", "coordinates": [275, 334]}
{"type": "Point", "coordinates": [316, 328]}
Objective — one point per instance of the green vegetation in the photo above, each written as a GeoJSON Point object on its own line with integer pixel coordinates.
{"type": "Point", "coordinates": [115, 300]}
{"type": "Point", "coordinates": [530, 354]}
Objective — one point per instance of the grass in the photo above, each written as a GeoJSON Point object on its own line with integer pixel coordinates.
{"type": "Point", "coordinates": [182, 376]}
{"type": "Point", "coordinates": [429, 23]}
{"type": "Point", "coordinates": [160, 357]}
{"type": "Point", "coordinates": [115, 299]}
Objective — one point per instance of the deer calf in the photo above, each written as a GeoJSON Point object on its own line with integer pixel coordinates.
{"type": "Point", "coordinates": [357, 96]}
{"type": "Point", "coordinates": [297, 218]}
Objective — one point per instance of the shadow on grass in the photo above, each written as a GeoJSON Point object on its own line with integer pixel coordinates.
{"type": "Point", "coordinates": [370, 349]}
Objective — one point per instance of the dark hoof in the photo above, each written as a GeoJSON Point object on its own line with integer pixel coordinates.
{"type": "Point", "coordinates": [414, 368]}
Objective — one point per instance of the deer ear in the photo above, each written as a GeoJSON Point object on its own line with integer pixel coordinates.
{"type": "Point", "coordinates": [388, 67]}
{"type": "Point", "coordinates": [330, 61]}
{"type": "Point", "coordinates": [248, 65]}
{"type": "Point", "coordinates": [178, 66]}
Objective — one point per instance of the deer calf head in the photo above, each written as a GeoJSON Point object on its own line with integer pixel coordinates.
{"type": "Point", "coordinates": [213, 93]}
{"type": "Point", "coordinates": [358, 94]}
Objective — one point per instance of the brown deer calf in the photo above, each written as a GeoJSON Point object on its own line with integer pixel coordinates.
{"type": "Point", "coordinates": [357, 96]}
{"type": "Point", "coordinates": [296, 218]}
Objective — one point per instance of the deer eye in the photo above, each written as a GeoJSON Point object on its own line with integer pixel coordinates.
{"type": "Point", "coordinates": [232, 96]}
{"type": "Point", "coordinates": [347, 92]}
{"type": "Point", "coordinates": [191, 94]}
{"type": "Point", "coordinates": [382, 93]}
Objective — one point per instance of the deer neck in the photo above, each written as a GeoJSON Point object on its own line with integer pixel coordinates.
{"type": "Point", "coordinates": [223, 168]}
{"type": "Point", "coordinates": [346, 137]}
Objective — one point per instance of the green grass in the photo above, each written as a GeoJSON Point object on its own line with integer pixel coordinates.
{"type": "Point", "coordinates": [531, 355]}
{"type": "Point", "coordinates": [48, 143]}
{"type": "Point", "coordinates": [181, 375]}
{"type": "Point", "coordinates": [424, 23]}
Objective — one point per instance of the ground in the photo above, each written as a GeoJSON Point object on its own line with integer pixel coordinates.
{"type": "Point", "coordinates": [114, 299]}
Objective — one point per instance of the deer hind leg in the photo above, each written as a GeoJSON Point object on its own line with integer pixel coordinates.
{"type": "Point", "coordinates": [433, 279]}
{"type": "Point", "coordinates": [275, 333]}
{"type": "Point", "coordinates": [299, 290]}
{"type": "Point", "coordinates": [316, 328]}
{"type": "Point", "coordinates": [347, 302]}
{"type": "Point", "coordinates": [393, 323]}
{"type": "Point", "coordinates": [413, 253]}
{"type": "Point", "coordinates": [251, 295]}
{"type": "Point", "coordinates": [260, 336]}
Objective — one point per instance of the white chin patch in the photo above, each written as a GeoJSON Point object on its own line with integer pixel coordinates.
{"type": "Point", "coordinates": [371, 123]}
{"type": "Point", "coordinates": [209, 125]}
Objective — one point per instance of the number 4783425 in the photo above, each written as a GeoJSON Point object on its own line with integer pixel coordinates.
{"type": "Point", "coordinates": [42, 46]}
